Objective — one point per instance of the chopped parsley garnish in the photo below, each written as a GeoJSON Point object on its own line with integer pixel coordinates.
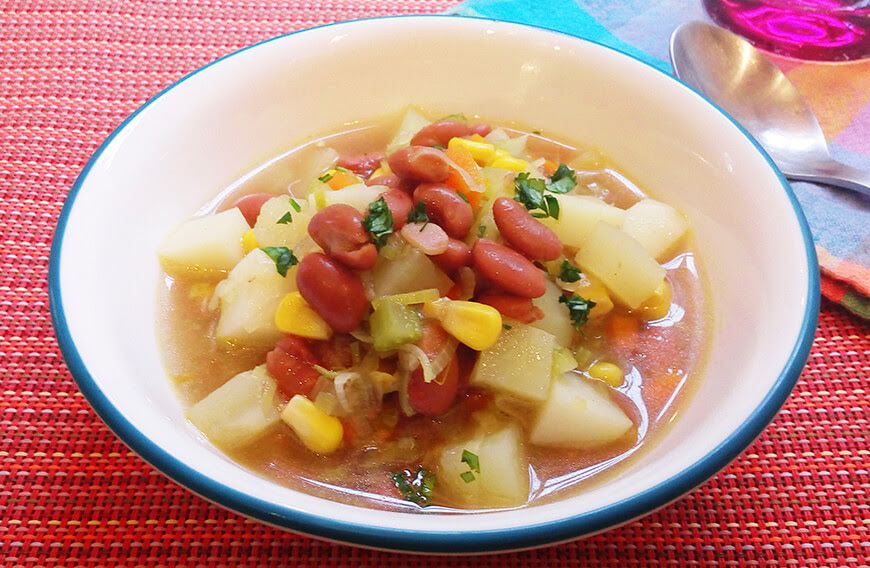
{"type": "Point", "coordinates": [473, 462]}
{"type": "Point", "coordinates": [415, 486]}
{"type": "Point", "coordinates": [342, 169]}
{"type": "Point", "coordinates": [379, 221]}
{"type": "Point", "coordinates": [481, 231]}
{"type": "Point", "coordinates": [563, 180]}
{"type": "Point", "coordinates": [532, 192]}
{"type": "Point", "coordinates": [283, 257]}
{"type": "Point", "coordinates": [285, 219]}
{"type": "Point", "coordinates": [325, 177]}
{"type": "Point", "coordinates": [568, 272]}
{"type": "Point", "coordinates": [418, 214]}
{"type": "Point", "coordinates": [506, 326]}
{"type": "Point", "coordinates": [463, 196]}
{"type": "Point", "coordinates": [578, 309]}
{"type": "Point", "coordinates": [296, 207]}
{"type": "Point", "coordinates": [457, 117]}
{"type": "Point", "coordinates": [439, 147]}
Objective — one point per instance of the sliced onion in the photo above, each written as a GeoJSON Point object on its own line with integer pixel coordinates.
{"type": "Point", "coordinates": [428, 238]}
{"type": "Point", "coordinates": [362, 336]}
{"type": "Point", "coordinates": [357, 395]}
{"type": "Point", "coordinates": [467, 283]}
{"type": "Point", "coordinates": [418, 359]}
{"type": "Point", "coordinates": [404, 399]}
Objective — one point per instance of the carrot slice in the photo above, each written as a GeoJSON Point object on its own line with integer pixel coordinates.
{"type": "Point", "coordinates": [549, 168]}
{"type": "Point", "coordinates": [466, 177]}
{"type": "Point", "coordinates": [342, 179]}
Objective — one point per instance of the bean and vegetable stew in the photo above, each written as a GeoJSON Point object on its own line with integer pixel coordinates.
{"type": "Point", "coordinates": [432, 315]}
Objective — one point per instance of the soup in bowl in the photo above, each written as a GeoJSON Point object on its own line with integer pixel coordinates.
{"type": "Point", "coordinates": [400, 327]}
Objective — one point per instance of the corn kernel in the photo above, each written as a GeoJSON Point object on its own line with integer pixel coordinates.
{"type": "Point", "coordinates": [607, 372]}
{"type": "Point", "coordinates": [657, 306]}
{"type": "Point", "coordinates": [505, 161]}
{"type": "Point", "coordinates": [591, 288]}
{"type": "Point", "coordinates": [249, 241]}
{"type": "Point", "coordinates": [472, 323]}
{"type": "Point", "coordinates": [295, 316]}
{"type": "Point", "coordinates": [320, 432]}
{"type": "Point", "coordinates": [482, 152]}
{"type": "Point", "coordinates": [383, 170]}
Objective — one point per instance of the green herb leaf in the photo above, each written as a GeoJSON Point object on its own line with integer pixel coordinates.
{"type": "Point", "coordinates": [463, 196]}
{"type": "Point", "coordinates": [472, 460]}
{"type": "Point", "coordinates": [529, 191]}
{"type": "Point", "coordinates": [506, 326]}
{"type": "Point", "coordinates": [296, 207]}
{"type": "Point", "coordinates": [481, 231]}
{"type": "Point", "coordinates": [415, 486]}
{"type": "Point", "coordinates": [552, 208]}
{"type": "Point", "coordinates": [578, 309]}
{"type": "Point", "coordinates": [456, 117]}
{"type": "Point", "coordinates": [563, 180]}
{"type": "Point", "coordinates": [379, 221]}
{"type": "Point", "coordinates": [285, 219]}
{"type": "Point", "coordinates": [418, 214]}
{"type": "Point", "coordinates": [439, 147]}
{"type": "Point", "coordinates": [283, 257]}
{"type": "Point", "coordinates": [467, 476]}
{"type": "Point", "coordinates": [325, 177]}
{"type": "Point", "coordinates": [568, 272]}
{"type": "Point", "coordinates": [342, 169]}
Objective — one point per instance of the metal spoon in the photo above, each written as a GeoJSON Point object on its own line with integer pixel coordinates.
{"type": "Point", "coordinates": [736, 76]}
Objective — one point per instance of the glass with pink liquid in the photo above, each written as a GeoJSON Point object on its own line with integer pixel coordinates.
{"type": "Point", "coordinates": [819, 30]}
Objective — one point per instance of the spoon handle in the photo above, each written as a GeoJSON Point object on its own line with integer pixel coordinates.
{"type": "Point", "coordinates": [840, 175]}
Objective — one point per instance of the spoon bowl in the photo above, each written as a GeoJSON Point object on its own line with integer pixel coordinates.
{"type": "Point", "coordinates": [739, 78]}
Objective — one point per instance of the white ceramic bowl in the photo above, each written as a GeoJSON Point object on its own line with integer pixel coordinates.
{"type": "Point", "coordinates": [183, 146]}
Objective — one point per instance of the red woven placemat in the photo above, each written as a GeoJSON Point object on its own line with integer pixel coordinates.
{"type": "Point", "coordinates": [72, 494]}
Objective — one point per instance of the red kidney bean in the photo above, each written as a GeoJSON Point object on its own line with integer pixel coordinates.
{"type": "Point", "coordinates": [439, 133]}
{"type": "Point", "coordinates": [333, 291]}
{"type": "Point", "coordinates": [400, 205]}
{"type": "Point", "coordinates": [250, 205]}
{"type": "Point", "coordinates": [507, 269]}
{"type": "Point", "coordinates": [446, 208]}
{"type": "Point", "coordinates": [290, 364]}
{"type": "Point", "coordinates": [481, 129]}
{"type": "Point", "coordinates": [420, 164]}
{"type": "Point", "coordinates": [392, 181]}
{"type": "Point", "coordinates": [457, 255]}
{"type": "Point", "coordinates": [523, 232]}
{"type": "Point", "coordinates": [514, 307]}
{"type": "Point", "coordinates": [338, 230]}
{"type": "Point", "coordinates": [361, 164]}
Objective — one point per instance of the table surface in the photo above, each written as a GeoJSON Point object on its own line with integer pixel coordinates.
{"type": "Point", "coordinates": [72, 493]}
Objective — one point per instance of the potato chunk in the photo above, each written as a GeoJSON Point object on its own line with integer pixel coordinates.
{"type": "Point", "coordinates": [410, 271]}
{"type": "Point", "coordinates": [656, 226]}
{"type": "Point", "coordinates": [213, 242]}
{"type": "Point", "coordinates": [271, 233]}
{"type": "Point", "coordinates": [556, 320]}
{"type": "Point", "coordinates": [578, 414]}
{"type": "Point", "coordinates": [249, 298]}
{"type": "Point", "coordinates": [578, 216]}
{"type": "Point", "coordinates": [519, 363]}
{"type": "Point", "coordinates": [621, 263]}
{"type": "Point", "coordinates": [240, 411]}
{"type": "Point", "coordinates": [503, 480]}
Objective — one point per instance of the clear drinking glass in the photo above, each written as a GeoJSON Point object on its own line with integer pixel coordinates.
{"type": "Point", "coordinates": [818, 30]}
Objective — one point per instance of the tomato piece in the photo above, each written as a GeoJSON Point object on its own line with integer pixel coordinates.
{"type": "Point", "coordinates": [290, 364]}
{"type": "Point", "coordinates": [335, 353]}
{"type": "Point", "coordinates": [250, 205]}
{"type": "Point", "coordinates": [435, 398]}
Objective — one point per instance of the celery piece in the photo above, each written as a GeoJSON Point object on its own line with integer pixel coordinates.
{"type": "Point", "coordinates": [393, 325]}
